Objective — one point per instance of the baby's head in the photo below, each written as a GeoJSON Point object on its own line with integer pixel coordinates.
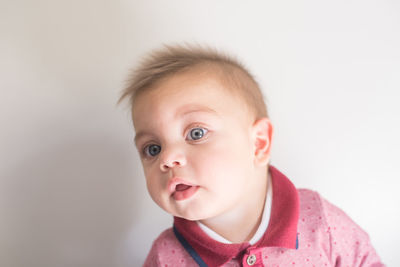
{"type": "Point", "coordinates": [202, 132]}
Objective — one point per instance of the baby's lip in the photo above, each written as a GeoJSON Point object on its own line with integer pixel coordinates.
{"type": "Point", "coordinates": [176, 181]}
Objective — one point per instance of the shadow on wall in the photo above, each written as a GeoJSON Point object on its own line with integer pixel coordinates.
{"type": "Point", "coordinates": [70, 205]}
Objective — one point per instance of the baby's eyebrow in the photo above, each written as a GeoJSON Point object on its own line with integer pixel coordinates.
{"type": "Point", "coordinates": [192, 108]}
{"type": "Point", "coordinates": [139, 135]}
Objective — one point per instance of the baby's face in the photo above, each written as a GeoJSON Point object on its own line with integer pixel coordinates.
{"type": "Point", "coordinates": [194, 139]}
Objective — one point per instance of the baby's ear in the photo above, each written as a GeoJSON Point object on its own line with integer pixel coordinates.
{"type": "Point", "coordinates": [262, 137]}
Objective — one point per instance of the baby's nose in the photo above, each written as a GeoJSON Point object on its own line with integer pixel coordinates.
{"type": "Point", "coordinates": [171, 159]}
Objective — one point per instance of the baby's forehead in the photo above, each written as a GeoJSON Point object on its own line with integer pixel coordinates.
{"type": "Point", "coordinates": [199, 79]}
{"type": "Point", "coordinates": [188, 93]}
{"type": "Point", "coordinates": [187, 90]}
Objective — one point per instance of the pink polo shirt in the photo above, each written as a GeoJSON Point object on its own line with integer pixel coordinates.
{"type": "Point", "coordinates": [303, 230]}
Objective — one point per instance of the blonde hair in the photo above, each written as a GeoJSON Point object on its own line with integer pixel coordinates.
{"type": "Point", "coordinates": [171, 60]}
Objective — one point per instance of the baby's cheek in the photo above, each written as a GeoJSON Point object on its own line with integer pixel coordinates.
{"type": "Point", "coordinates": [218, 166]}
{"type": "Point", "coordinates": [154, 187]}
{"type": "Point", "coordinates": [159, 198]}
{"type": "Point", "coordinates": [214, 156]}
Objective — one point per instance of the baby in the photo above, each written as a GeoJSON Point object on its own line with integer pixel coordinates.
{"type": "Point", "coordinates": [204, 138]}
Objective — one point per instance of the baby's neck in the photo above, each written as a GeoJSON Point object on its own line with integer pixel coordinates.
{"type": "Point", "coordinates": [240, 224]}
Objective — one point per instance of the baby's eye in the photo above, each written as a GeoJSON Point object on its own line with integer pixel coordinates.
{"type": "Point", "coordinates": [152, 150]}
{"type": "Point", "coordinates": [196, 133]}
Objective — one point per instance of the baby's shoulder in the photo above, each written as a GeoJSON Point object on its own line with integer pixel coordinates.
{"type": "Point", "coordinates": [310, 202]}
{"type": "Point", "coordinates": [314, 206]}
{"type": "Point", "coordinates": [308, 195]}
{"type": "Point", "coordinates": [312, 212]}
{"type": "Point", "coordinates": [166, 249]}
{"type": "Point", "coordinates": [319, 215]}
{"type": "Point", "coordinates": [323, 224]}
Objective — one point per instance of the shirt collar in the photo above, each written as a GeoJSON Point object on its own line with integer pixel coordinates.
{"type": "Point", "coordinates": [281, 231]}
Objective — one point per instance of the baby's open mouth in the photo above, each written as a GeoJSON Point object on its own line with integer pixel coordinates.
{"type": "Point", "coordinates": [180, 189]}
{"type": "Point", "coordinates": [184, 191]}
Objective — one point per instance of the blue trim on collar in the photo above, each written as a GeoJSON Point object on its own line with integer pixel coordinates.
{"type": "Point", "coordinates": [189, 248]}
{"type": "Point", "coordinates": [297, 241]}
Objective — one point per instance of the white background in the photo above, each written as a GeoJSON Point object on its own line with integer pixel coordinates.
{"type": "Point", "coordinates": [72, 190]}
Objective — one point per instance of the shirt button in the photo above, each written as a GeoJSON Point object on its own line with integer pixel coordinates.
{"type": "Point", "coordinates": [251, 259]}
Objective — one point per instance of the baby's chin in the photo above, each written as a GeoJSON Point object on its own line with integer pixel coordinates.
{"type": "Point", "coordinates": [192, 214]}
{"type": "Point", "coordinates": [188, 216]}
{"type": "Point", "coordinates": [192, 210]}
